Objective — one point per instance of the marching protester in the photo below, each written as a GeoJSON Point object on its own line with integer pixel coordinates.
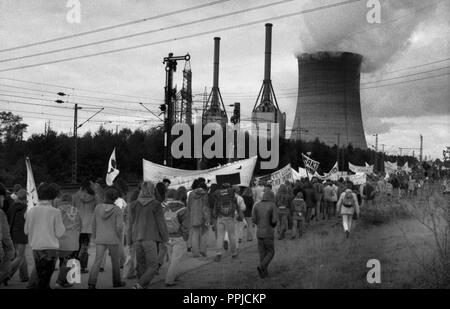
{"type": "Point", "coordinates": [266, 218]}
{"type": "Point", "coordinates": [177, 220]}
{"type": "Point", "coordinates": [283, 202]}
{"type": "Point", "coordinates": [44, 226]}
{"type": "Point", "coordinates": [107, 228]}
{"type": "Point", "coordinates": [129, 267]}
{"type": "Point", "coordinates": [199, 216]}
{"type": "Point", "coordinates": [298, 209]}
{"type": "Point", "coordinates": [348, 207]}
{"type": "Point", "coordinates": [318, 189]}
{"type": "Point", "coordinates": [194, 186]}
{"type": "Point", "coordinates": [225, 208]}
{"type": "Point", "coordinates": [329, 195]}
{"type": "Point", "coordinates": [85, 201]}
{"type": "Point", "coordinates": [239, 220]}
{"type": "Point", "coordinates": [69, 242]}
{"type": "Point", "coordinates": [310, 198]}
{"type": "Point", "coordinates": [146, 228]}
{"type": "Point", "coordinates": [247, 196]}
{"type": "Point", "coordinates": [20, 240]}
{"type": "Point", "coordinates": [7, 250]}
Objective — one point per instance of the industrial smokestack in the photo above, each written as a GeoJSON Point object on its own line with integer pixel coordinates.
{"type": "Point", "coordinates": [328, 106]}
{"type": "Point", "coordinates": [216, 62]}
{"type": "Point", "coordinates": [266, 109]}
{"type": "Point", "coordinates": [268, 52]}
{"type": "Point", "coordinates": [215, 109]}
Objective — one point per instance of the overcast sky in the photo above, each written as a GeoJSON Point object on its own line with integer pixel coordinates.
{"type": "Point", "coordinates": [413, 37]}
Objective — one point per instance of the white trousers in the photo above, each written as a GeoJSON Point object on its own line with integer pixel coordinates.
{"type": "Point", "coordinates": [347, 221]}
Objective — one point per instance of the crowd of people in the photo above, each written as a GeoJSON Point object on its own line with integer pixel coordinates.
{"type": "Point", "coordinates": [155, 224]}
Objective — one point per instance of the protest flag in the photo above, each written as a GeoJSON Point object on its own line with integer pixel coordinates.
{"type": "Point", "coordinates": [112, 169]}
{"type": "Point", "coordinates": [32, 198]}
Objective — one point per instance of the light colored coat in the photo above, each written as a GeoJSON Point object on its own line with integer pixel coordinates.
{"type": "Point", "coordinates": [347, 210]}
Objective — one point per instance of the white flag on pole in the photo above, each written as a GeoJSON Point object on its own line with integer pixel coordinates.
{"type": "Point", "coordinates": [32, 198]}
{"type": "Point", "coordinates": [112, 169]}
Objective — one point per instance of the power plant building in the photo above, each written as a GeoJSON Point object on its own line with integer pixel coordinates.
{"type": "Point", "coordinates": [328, 105]}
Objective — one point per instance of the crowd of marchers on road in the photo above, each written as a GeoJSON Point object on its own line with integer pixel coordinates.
{"type": "Point", "coordinates": [144, 229]}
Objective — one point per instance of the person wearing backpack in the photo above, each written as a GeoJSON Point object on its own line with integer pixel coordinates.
{"type": "Point", "coordinates": [146, 228]}
{"type": "Point", "coordinates": [265, 216]}
{"type": "Point", "coordinates": [347, 207]}
{"type": "Point", "coordinates": [198, 209]}
{"type": "Point", "coordinates": [225, 208]}
{"type": "Point", "coordinates": [177, 221]}
{"type": "Point", "coordinates": [298, 208]}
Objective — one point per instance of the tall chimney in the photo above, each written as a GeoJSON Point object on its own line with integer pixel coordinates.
{"type": "Point", "coordinates": [216, 62]}
{"type": "Point", "coordinates": [268, 52]}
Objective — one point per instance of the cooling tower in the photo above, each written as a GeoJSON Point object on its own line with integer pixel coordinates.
{"type": "Point", "coordinates": [328, 106]}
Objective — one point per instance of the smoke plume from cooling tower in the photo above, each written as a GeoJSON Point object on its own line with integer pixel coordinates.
{"type": "Point", "coordinates": [346, 28]}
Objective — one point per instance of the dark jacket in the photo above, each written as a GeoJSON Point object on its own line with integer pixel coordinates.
{"type": "Point", "coordinates": [265, 216]}
{"type": "Point", "coordinates": [17, 225]}
{"type": "Point", "coordinates": [6, 245]}
{"type": "Point", "coordinates": [107, 224]}
{"type": "Point", "coordinates": [310, 197]}
{"type": "Point", "coordinates": [198, 207]}
{"type": "Point", "coordinates": [248, 200]}
{"type": "Point", "coordinates": [225, 203]}
{"type": "Point", "coordinates": [283, 200]}
{"type": "Point", "coordinates": [146, 221]}
{"type": "Point", "coordinates": [183, 218]}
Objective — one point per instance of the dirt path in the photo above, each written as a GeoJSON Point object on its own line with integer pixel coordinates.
{"type": "Point", "coordinates": [322, 259]}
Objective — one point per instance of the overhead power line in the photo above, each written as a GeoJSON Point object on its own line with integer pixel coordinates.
{"type": "Point", "coordinates": [129, 36]}
{"type": "Point", "coordinates": [185, 36]}
{"type": "Point", "coordinates": [117, 26]}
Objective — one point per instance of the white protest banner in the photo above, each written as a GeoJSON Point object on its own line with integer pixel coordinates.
{"type": "Point", "coordinates": [179, 177]}
{"type": "Point", "coordinates": [32, 199]}
{"type": "Point", "coordinates": [281, 176]}
{"type": "Point", "coordinates": [368, 169]}
{"type": "Point", "coordinates": [302, 172]}
{"type": "Point", "coordinates": [310, 165]}
{"type": "Point", "coordinates": [112, 169]}
{"type": "Point", "coordinates": [390, 167]}
{"type": "Point", "coordinates": [406, 168]}
{"type": "Point", "coordinates": [358, 178]}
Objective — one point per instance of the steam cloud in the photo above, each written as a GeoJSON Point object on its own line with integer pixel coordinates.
{"type": "Point", "coordinates": [346, 28]}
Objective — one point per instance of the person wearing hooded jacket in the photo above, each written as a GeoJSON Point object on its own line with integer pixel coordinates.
{"type": "Point", "coordinates": [177, 238]}
{"type": "Point", "coordinates": [199, 216]}
{"type": "Point", "coordinates": [283, 202]}
{"type": "Point", "coordinates": [146, 228]}
{"type": "Point", "coordinates": [265, 217]}
{"type": "Point", "coordinates": [85, 201]}
{"type": "Point", "coordinates": [69, 242]}
{"type": "Point", "coordinates": [18, 210]}
{"type": "Point", "coordinates": [7, 250]}
{"type": "Point", "coordinates": [347, 206]}
{"type": "Point", "coordinates": [107, 226]}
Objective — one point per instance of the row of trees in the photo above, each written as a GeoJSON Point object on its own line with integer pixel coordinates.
{"type": "Point", "coordinates": [51, 154]}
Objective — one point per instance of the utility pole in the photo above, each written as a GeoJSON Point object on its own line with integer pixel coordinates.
{"type": "Point", "coordinates": [382, 155]}
{"type": "Point", "coordinates": [337, 148]}
{"type": "Point", "coordinates": [421, 148]}
{"type": "Point", "coordinates": [376, 152]}
{"type": "Point", "coordinates": [75, 144]}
